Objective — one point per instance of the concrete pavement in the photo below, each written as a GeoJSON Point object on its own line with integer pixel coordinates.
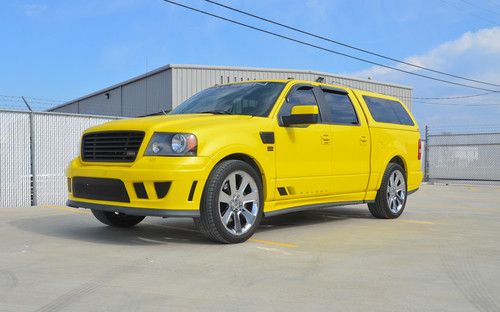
{"type": "Point", "coordinates": [442, 254]}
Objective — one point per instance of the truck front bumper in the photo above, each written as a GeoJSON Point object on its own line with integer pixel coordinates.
{"type": "Point", "coordinates": [151, 186]}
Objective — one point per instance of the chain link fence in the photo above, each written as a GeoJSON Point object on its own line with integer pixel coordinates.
{"type": "Point", "coordinates": [35, 148]}
{"type": "Point", "coordinates": [467, 155]}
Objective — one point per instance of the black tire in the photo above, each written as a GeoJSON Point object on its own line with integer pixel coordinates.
{"type": "Point", "coordinates": [210, 222]}
{"type": "Point", "coordinates": [380, 208]}
{"type": "Point", "coordinates": [117, 219]}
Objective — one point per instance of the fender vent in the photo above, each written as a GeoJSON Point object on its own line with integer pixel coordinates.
{"type": "Point", "coordinates": [282, 191]}
{"type": "Point", "coordinates": [267, 137]}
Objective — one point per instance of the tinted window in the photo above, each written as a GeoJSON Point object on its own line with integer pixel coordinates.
{"type": "Point", "coordinates": [300, 96]}
{"type": "Point", "coordinates": [254, 98]}
{"type": "Point", "coordinates": [403, 116]}
{"type": "Point", "coordinates": [389, 111]}
{"type": "Point", "coordinates": [339, 109]}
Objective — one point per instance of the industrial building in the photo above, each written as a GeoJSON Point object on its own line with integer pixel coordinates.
{"type": "Point", "coordinates": [168, 86]}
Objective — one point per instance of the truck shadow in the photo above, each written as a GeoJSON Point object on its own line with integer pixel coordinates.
{"type": "Point", "coordinates": [315, 216]}
{"type": "Point", "coordinates": [152, 231]}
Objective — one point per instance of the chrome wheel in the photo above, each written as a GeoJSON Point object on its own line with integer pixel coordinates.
{"type": "Point", "coordinates": [238, 202]}
{"type": "Point", "coordinates": [396, 191]}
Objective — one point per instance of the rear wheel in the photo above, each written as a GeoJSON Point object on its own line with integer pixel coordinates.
{"type": "Point", "coordinates": [232, 203]}
{"type": "Point", "coordinates": [116, 219]}
{"type": "Point", "coordinates": [391, 197]}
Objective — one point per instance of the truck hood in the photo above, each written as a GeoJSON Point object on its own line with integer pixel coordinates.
{"type": "Point", "coordinates": [171, 123]}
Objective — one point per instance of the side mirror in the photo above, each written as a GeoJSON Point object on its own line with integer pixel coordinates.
{"type": "Point", "coordinates": [301, 114]}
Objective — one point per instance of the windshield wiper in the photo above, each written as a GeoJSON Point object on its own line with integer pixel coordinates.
{"type": "Point", "coordinates": [216, 112]}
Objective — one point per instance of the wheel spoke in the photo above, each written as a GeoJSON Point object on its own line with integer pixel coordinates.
{"type": "Point", "coordinates": [250, 197]}
{"type": "Point", "coordinates": [244, 183]}
{"type": "Point", "coordinates": [248, 216]}
{"type": "Point", "coordinates": [227, 216]}
{"type": "Point", "coordinates": [232, 183]}
{"type": "Point", "coordinates": [237, 223]}
{"type": "Point", "coordinates": [398, 202]}
{"type": "Point", "coordinates": [224, 198]}
{"type": "Point", "coordinates": [392, 181]}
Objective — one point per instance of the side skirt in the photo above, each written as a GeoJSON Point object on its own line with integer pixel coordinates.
{"type": "Point", "coordinates": [315, 206]}
{"type": "Point", "coordinates": [412, 191]}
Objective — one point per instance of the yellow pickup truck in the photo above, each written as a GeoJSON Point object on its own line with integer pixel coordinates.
{"type": "Point", "coordinates": [235, 153]}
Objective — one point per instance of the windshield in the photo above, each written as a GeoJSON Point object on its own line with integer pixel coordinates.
{"type": "Point", "coordinates": [253, 98]}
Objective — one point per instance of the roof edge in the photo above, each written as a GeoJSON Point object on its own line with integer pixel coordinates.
{"type": "Point", "coordinates": [215, 67]}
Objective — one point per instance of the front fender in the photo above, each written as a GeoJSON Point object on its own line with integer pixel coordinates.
{"type": "Point", "coordinates": [263, 158]}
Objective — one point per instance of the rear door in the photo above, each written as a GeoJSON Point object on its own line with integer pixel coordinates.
{"type": "Point", "coordinates": [350, 142]}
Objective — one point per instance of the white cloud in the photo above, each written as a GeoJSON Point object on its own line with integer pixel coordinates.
{"type": "Point", "coordinates": [33, 9]}
{"type": "Point", "coordinates": [474, 55]}
{"type": "Point", "coordinates": [484, 42]}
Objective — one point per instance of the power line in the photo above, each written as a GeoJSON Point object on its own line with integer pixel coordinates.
{"type": "Point", "coordinates": [416, 99]}
{"type": "Point", "coordinates": [348, 45]}
{"type": "Point", "coordinates": [458, 104]}
{"type": "Point", "coordinates": [327, 49]}
{"type": "Point", "coordinates": [452, 97]}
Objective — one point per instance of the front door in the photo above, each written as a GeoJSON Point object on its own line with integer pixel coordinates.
{"type": "Point", "coordinates": [303, 152]}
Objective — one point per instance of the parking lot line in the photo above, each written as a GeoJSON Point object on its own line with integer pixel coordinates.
{"type": "Point", "coordinates": [262, 241]}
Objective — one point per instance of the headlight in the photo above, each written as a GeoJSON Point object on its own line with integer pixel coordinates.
{"type": "Point", "coordinates": [172, 144]}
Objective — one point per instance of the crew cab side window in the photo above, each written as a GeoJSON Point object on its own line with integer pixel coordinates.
{"type": "Point", "coordinates": [301, 96]}
{"type": "Point", "coordinates": [339, 109]}
{"type": "Point", "coordinates": [388, 111]}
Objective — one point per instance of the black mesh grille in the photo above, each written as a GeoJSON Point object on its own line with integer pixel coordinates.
{"type": "Point", "coordinates": [112, 146]}
{"type": "Point", "coordinates": [100, 189]}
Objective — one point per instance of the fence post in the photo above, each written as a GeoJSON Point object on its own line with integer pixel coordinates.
{"type": "Point", "coordinates": [426, 155]}
{"type": "Point", "coordinates": [32, 154]}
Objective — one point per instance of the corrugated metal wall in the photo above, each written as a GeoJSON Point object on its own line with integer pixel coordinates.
{"type": "Point", "coordinates": [138, 98]}
{"type": "Point", "coordinates": [187, 81]}
{"type": "Point", "coordinates": [167, 87]}
{"type": "Point", "coordinates": [101, 103]}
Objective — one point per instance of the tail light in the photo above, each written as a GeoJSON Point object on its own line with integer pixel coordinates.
{"type": "Point", "coordinates": [419, 149]}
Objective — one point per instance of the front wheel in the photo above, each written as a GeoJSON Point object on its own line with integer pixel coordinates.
{"type": "Point", "coordinates": [391, 197]}
{"type": "Point", "coordinates": [232, 202]}
{"type": "Point", "coordinates": [116, 219]}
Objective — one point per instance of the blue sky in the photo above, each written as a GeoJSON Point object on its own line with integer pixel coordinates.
{"type": "Point", "coordinates": [65, 49]}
